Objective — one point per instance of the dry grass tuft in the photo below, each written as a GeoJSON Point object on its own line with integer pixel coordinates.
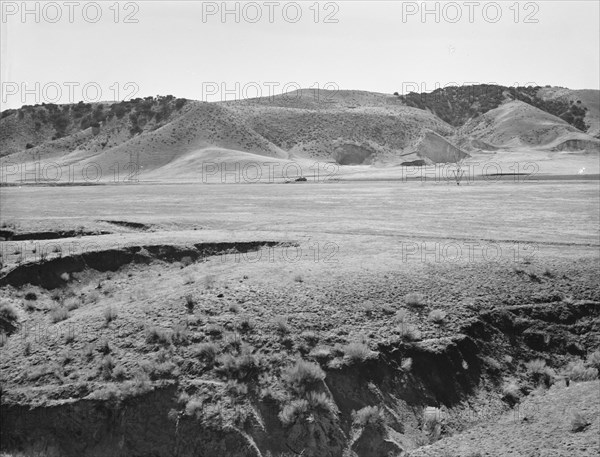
{"type": "Point", "coordinates": [72, 303]}
{"type": "Point", "coordinates": [190, 303]}
{"type": "Point", "coordinates": [408, 332]}
{"type": "Point", "coordinates": [106, 366]}
{"type": "Point", "coordinates": [70, 335]}
{"type": "Point", "coordinates": [88, 351]}
{"type": "Point", "coordinates": [207, 352]}
{"type": "Point", "coordinates": [593, 360]}
{"type": "Point", "coordinates": [303, 376]}
{"type": "Point", "coordinates": [180, 334]}
{"type": "Point", "coordinates": [540, 373]}
{"type": "Point", "coordinates": [368, 308]}
{"type": "Point", "coordinates": [315, 406]}
{"type": "Point", "coordinates": [209, 282]}
{"type": "Point", "coordinates": [245, 324]}
{"type": "Point", "coordinates": [415, 300]}
{"type": "Point", "coordinates": [357, 352]}
{"type": "Point", "coordinates": [369, 416]}
{"type": "Point", "coordinates": [59, 313]}
{"type": "Point", "coordinates": [310, 337]}
{"type": "Point", "coordinates": [110, 314]}
{"type": "Point", "coordinates": [213, 330]}
{"type": "Point", "coordinates": [281, 324]}
{"type": "Point", "coordinates": [233, 342]}
{"type": "Point", "coordinates": [511, 393]}
{"type": "Point", "coordinates": [321, 353]}
{"type": "Point", "coordinates": [104, 346]}
{"type": "Point", "coordinates": [578, 372]}
{"type": "Point", "coordinates": [401, 316]}
{"type": "Point", "coordinates": [437, 316]}
{"type": "Point", "coordinates": [8, 314]}
{"type": "Point", "coordinates": [243, 367]}
{"type": "Point", "coordinates": [158, 336]}
{"type": "Point", "coordinates": [293, 411]}
{"type": "Point", "coordinates": [29, 305]}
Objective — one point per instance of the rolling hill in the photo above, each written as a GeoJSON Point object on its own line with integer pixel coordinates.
{"type": "Point", "coordinates": [458, 104]}
{"type": "Point", "coordinates": [516, 124]}
{"type": "Point", "coordinates": [169, 138]}
{"type": "Point", "coordinates": [348, 127]}
{"type": "Point", "coordinates": [588, 99]}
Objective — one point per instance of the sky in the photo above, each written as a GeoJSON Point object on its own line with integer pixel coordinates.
{"type": "Point", "coordinates": [65, 52]}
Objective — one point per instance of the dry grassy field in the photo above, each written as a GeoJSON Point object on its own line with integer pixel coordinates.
{"type": "Point", "coordinates": [534, 211]}
{"type": "Point", "coordinates": [322, 318]}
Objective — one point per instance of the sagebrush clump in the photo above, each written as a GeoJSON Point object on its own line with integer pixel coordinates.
{"type": "Point", "coordinates": [207, 352]}
{"type": "Point", "coordinates": [303, 376]}
{"type": "Point", "coordinates": [315, 404]}
{"type": "Point", "coordinates": [372, 416]}
{"type": "Point", "coordinates": [282, 326]}
{"type": "Point", "coordinates": [415, 299]}
{"type": "Point", "coordinates": [357, 352]}
{"type": "Point", "coordinates": [511, 393]}
{"type": "Point", "coordinates": [408, 332]}
{"type": "Point", "coordinates": [244, 366]}
{"type": "Point", "coordinates": [539, 373]}
{"type": "Point", "coordinates": [577, 371]}
{"type": "Point", "coordinates": [437, 316]}
{"type": "Point", "coordinates": [8, 316]}
{"type": "Point", "coordinates": [157, 335]}
{"type": "Point", "coordinates": [593, 360]}
{"type": "Point", "coordinates": [59, 313]}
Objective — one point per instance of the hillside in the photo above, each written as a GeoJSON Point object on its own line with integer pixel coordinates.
{"type": "Point", "coordinates": [151, 131]}
{"type": "Point", "coordinates": [348, 127]}
{"type": "Point", "coordinates": [518, 124]}
{"type": "Point", "coordinates": [45, 124]}
{"type": "Point", "coordinates": [491, 117]}
{"type": "Point", "coordinates": [458, 104]}
{"type": "Point", "coordinates": [169, 138]}
{"type": "Point", "coordinates": [588, 99]}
